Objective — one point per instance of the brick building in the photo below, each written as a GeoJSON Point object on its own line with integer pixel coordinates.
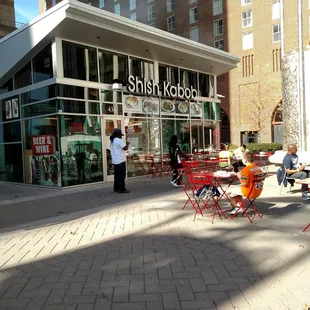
{"type": "Point", "coordinates": [251, 94]}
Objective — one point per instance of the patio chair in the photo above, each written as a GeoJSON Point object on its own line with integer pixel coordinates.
{"type": "Point", "coordinates": [290, 180]}
{"type": "Point", "coordinates": [248, 201]}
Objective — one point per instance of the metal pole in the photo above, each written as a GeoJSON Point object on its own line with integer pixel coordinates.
{"type": "Point", "coordinates": [301, 75]}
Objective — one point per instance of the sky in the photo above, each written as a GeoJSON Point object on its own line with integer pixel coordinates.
{"type": "Point", "coordinates": [26, 10]}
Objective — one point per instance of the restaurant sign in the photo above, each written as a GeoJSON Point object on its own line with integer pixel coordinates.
{"type": "Point", "coordinates": [135, 85]}
{"type": "Point", "coordinates": [42, 145]}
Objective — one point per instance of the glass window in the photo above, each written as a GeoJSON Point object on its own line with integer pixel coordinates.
{"type": "Point", "coordinates": [192, 1]}
{"type": "Point", "coordinates": [247, 40]}
{"type": "Point", "coordinates": [77, 92]}
{"type": "Point", "coordinates": [112, 66]}
{"type": "Point", "coordinates": [276, 33]}
{"type": "Point", "coordinates": [181, 128]}
{"type": "Point", "coordinates": [211, 135]}
{"type": "Point", "coordinates": [11, 163]}
{"type": "Point", "coordinates": [194, 34]}
{"type": "Point", "coordinates": [217, 7]}
{"type": "Point", "coordinates": [101, 4]}
{"type": "Point", "coordinates": [152, 24]}
{"type": "Point", "coordinates": [151, 12]}
{"type": "Point", "coordinates": [43, 108]}
{"type": "Point", "coordinates": [80, 62]}
{"type": "Point", "coordinates": [245, 2]}
{"type": "Point", "coordinates": [9, 109]}
{"type": "Point", "coordinates": [206, 85]}
{"type": "Point", "coordinates": [276, 9]}
{"type": "Point", "coordinates": [43, 65]}
{"type": "Point", "coordinates": [83, 107]}
{"type": "Point", "coordinates": [170, 6]}
{"type": "Point", "coordinates": [141, 68]}
{"type": "Point", "coordinates": [171, 23]}
{"type": "Point", "coordinates": [23, 77]}
{"type": "Point", "coordinates": [197, 136]}
{"type": "Point", "coordinates": [10, 132]}
{"type": "Point", "coordinates": [6, 87]}
{"type": "Point", "coordinates": [81, 149]}
{"type": "Point", "coordinates": [193, 15]}
{"type": "Point", "coordinates": [168, 74]}
{"type": "Point", "coordinates": [132, 5]}
{"type": "Point", "coordinates": [219, 44]}
{"type": "Point", "coordinates": [212, 111]}
{"type": "Point", "coordinates": [117, 9]}
{"type": "Point", "coordinates": [112, 108]}
{"type": "Point", "coordinates": [39, 94]}
{"type": "Point", "coordinates": [188, 79]}
{"type": "Point", "coordinates": [41, 154]}
{"type": "Point", "coordinates": [246, 18]}
{"type": "Point", "coordinates": [218, 28]}
{"type": "Point", "coordinates": [133, 16]}
{"type": "Point", "coordinates": [111, 96]}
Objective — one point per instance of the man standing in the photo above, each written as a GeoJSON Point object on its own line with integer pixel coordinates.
{"type": "Point", "coordinates": [118, 148]}
{"type": "Point", "coordinates": [246, 177]}
{"type": "Point", "coordinates": [294, 169]}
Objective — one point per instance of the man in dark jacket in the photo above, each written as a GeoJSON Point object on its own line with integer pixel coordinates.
{"type": "Point", "coordinates": [175, 160]}
{"type": "Point", "coordinates": [295, 170]}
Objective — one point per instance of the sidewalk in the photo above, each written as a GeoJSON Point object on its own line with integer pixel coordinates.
{"type": "Point", "coordinates": [146, 253]}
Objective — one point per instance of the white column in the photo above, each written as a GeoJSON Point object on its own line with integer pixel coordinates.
{"type": "Point", "coordinates": [57, 56]}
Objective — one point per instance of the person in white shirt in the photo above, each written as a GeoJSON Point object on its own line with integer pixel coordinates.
{"type": "Point", "coordinates": [118, 148]}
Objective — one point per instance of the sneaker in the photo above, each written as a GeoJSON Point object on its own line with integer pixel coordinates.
{"type": "Point", "coordinates": [234, 211]}
{"type": "Point", "coordinates": [305, 196]}
{"type": "Point", "coordinates": [175, 184]}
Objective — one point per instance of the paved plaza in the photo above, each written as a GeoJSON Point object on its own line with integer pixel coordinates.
{"type": "Point", "coordinates": [94, 249]}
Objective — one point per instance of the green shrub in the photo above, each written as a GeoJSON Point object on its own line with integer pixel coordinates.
{"type": "Point", "coordinates": [232, 147]}
{"type": "Point", "coordinates": [264, 147]}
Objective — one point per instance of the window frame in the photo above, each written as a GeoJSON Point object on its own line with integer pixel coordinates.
{"type": "Point", "coordinates": [168, 19]}
{"type": "Point", "coordinates": [151, 12]}
{"type": "Point", "coordinates": [279, 9]}
{"type": "Point", "coordinates": [222, 49]}
{"type": "Point", "coordinates": [196, 28]}
{"type": "Point", "coordinates": [118, 11]}
{"type": "Point", "coordinates": [193, 15]}
{"type": "Point", "coordinates": [132, 5]}
{"type": "Point", "coordinates": [219, 5]}
{"type": "Point", "coordinates": [247, 18]}
{"type": "Point", "coordinates": [170, 5]}
{"type": "Point", "coordinates": [215, 34]}
{"type": "Point", "coordinates": [243, 35]}
{"type": "Point", "coordinates": [243, 2]}
{"type": "Point", "coordinates": [276, 33]}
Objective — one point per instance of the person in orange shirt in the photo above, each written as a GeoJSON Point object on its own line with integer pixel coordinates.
{"type": "Point", "coordinates": [246, 177]}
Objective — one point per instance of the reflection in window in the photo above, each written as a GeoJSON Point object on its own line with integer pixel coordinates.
{"type": "Point", "coordinates": [11, 163]}
{"type": "Point", "coordinates": [168, 74]}
{"type": "Point", "coordinates": [212, 135]}
{"type": "Point", "coordinates": [7, 86]}
{"type": "Point", "coordinates": [81, 149]}
{"type": "Point", "coordinates": [188, 79]}
{"type": "Point", "coordinates": [111, 96]}
{"type": "Point", "coordinates": [80, 62]}
{"type": "Point", "coordinates": [112, 66]}
{"type": "Point", "coordinates": [23, 77]}
{"type": "Point", "coordinates": [197, 136]}
{"type": "Point", "coordinates": [42, 65]}
{"type": "Point", "coordinates": [38, 94]}
{"type": "Point", "coordinates": [10, 132]}
{"type": "Point", "coordinates": [42, 108]}
{"type": "Point", "coordinates": [77, 92]}
{"type": "Point", "coordinates": [181, 128]}
{"type": "Point", "coordinates": [206, 85]}
{"type": "Point", "coordinates": [142, 68]}
{"type": "Point", "coordinates": [41, 154]}
{"type": "Point", "coordinates": [83, 107]}
{"type": "Point", "coordinates": [212, 111]}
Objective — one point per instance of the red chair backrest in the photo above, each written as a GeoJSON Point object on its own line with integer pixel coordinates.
{"type": "Point", "coordinates": [197, 180]}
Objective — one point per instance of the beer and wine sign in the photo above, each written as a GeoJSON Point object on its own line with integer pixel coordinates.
{"type": "Point", "coordinates": [150, 105]}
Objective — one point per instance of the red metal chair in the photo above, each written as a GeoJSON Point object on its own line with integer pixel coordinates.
{"type": "Point", "coordinates": [152, 167]}
{"type": "Point", "coordinates": [248, 202]}
{"type": "Point", "coordinates": [166, 167]}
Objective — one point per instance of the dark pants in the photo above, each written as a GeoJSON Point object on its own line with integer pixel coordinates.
{"type": "Point", "coordinates": [237, 165]}
{"type": "Point", "coordinates": [300, 175]}
{"type": "Point", "coordinates": [119, 177]}
{"type": "Point", "coordinates": [175, 176]}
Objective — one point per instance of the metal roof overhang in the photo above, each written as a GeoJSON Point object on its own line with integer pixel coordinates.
{"type": "Point", "coordinates": [75, 21]}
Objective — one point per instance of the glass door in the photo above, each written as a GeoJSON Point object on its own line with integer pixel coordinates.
{"type": "Point", "coordinates": [108, 128]}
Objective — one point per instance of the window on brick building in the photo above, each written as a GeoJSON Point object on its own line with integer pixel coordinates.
{"type": "Point", "coordinates": [101, 4]}
{"type": "Point", "coordinates": [194, 34]}
{"type": "Point", "coordinates": [132, 5]}
{"type": "Point", "coordinates": [192, 1]}
{"type": "Point", "coordinates": [117, 9]}
{"type": "Point", "coordinates": [276, 9]}
{"type": "Point", "coordinates": [247, 20]}
{"type": "Point", "coordinates": [171, 23]}
{"type": "Point", "coordinates": [193, 15]}
{"type": "Point", "coordinates": [151, 12]}
{"type": "Point", "coordinates": [276, 33]}
{"type": "Point", "coordinates": [247, 40]}
{"type": "Point", "coordinates": [217, 7]}
{"type": "Point", "coordinates": [245, 2]}
{"type": "Point", "coordinates": [170, 5]}
{"type": "Point", "coordinates": [219, 44]}
{"type": "Point", "coordinates": [218, 28]}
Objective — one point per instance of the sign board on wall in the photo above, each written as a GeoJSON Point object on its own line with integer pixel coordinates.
{"type": "Point", "coordinates": [43, 145]}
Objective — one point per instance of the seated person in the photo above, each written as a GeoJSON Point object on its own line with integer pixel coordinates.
{"type": "Point", "coordinates": [238, 155]}
{"type": "Point", "coordinates": [223, 154]}
{"type": "Point", "coordinates": [246, 177]}
{"type": "Point", "coordinates": [294, 170]}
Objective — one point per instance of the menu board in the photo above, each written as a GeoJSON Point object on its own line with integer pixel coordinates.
{"type": "Point", "coordinates": [196, 109]}
{"type": "Point", "coordinates": [141, 105]}
{"type": "Point", "coordinates": [173, 107]}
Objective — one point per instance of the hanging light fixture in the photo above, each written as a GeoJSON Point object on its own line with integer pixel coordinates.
{"type": "Point", "coordinates": [117, 84]}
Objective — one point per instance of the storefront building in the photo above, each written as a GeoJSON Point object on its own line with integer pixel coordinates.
{"type": "Point", "coordinates": [75, 73]}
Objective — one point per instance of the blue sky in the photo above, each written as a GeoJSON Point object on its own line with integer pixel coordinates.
{"type": "Point", "coordinates": [26, 10]}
